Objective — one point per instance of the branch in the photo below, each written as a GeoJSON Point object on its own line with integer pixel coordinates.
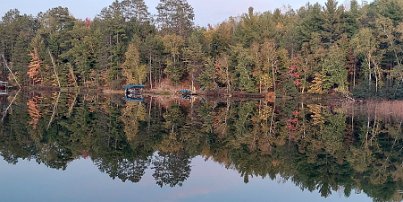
{"type": "Point", "coordinates": [8, 107]}
{"type": "Point", "coordinates": [54, 67]}
{"type": "Point", "coordinates": [11, 72]}
{"type": "Point", "coordinates": [54, 110]}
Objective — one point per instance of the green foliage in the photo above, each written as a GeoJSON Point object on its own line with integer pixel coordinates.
{"type": "Point", "coordinates": [207, 77]}
{"type": "Point", "coordinates": [173, 46]}
{"type": "Point", "coordinates": [243, 69]}
{"type": "Point", "coordinates": [175, 17]}
{"type": "Point", "coordinates": [334, 69]}
{"type": "Point", "coordinates": [135, 10]}
{"type": "Point", "coordinates": [359, 45]}
{"type": "Point", "coordinates": [133, 70]}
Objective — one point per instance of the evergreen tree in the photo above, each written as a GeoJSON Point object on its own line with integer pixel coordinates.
{"type": "Point", "coordinates": [175, 16]}
{"type": "Point", "coordinates": [134, 71]}
{"type": "Point", "coordinates": [334, 69]}
{"type": "Point", "coordinates": [331, 26]}
{"type": "Point", "coordinates": [193, 57]}
{"type": "Point", "coordinates": [174, 68]}
{"type": "Point", "coordinates": [135, 9]}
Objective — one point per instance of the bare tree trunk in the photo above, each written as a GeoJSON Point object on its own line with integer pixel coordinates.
{"type": "Point", "coordinates": [11, 72]}
{"type": "Point", "coordinates": [72, 105]}
{"type": "Point", "coordinates": [303, 83]}
{"type": "Point", "coordinates": [149, 113]}
{"type": "Point", "coordinates": [54, 110]}
{"type": "Point", "coordinates": [377, 74]}
{"type": "Point", "coordinates": [367, 133]}
{"type": "Point", "coordinates": [369, 70]}
{"type": "Point", "coordinates": [227, 113]}
{"type": "Point", "coordinates": [117, 70]}
{"type": "Point", "coordinates": [227, 77]}
{"type": "Point", "coordinates": [174, 59]}
{"type": "Point", "coordinates": [377, 77]}
{"type": "Point", "coordinates": [274, 77]}
{"type": "Point", "coordinates": [54, 67]}
{"type": "Point", "coordinates": [260, 107]}
{"type": "Point", "coordinates": [73, 75]}
{"type": "Point", "coordinates": [272, 118]}
{"type": "Point", "coordinates": [151, 78]}
{"type": "Point", "coordinates": [9, 106]}
{"type": "Point", "coordinates": [260, 86]}
{"type": "Point", "coordinates": [193, 78]}
{"type": "Point", "coordinates": [354, 75]}
{"type": "Point", "coordinates": [376, 83]}
{"type": "Point", "coordinates": [352, 118]}
{"type": "Point", "coordinates": [159, 73]}
{"type": "Point", "coordinates": [191, 109]}
{"type": "Point", "coordinates": [303, 119]}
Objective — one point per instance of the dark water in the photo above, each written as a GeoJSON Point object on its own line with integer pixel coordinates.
{"type": "Point", "coordinates": [69, 147]}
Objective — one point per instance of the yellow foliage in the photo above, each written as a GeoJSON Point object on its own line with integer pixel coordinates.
{"type": "Point", "coordinates": [317, 84]}
{"type": "Point", "coordinates": [266, 112]}
{"type": "Point", "coordinates": [267, 81]}
{"type": "Point", "coordinates": [317, 117]}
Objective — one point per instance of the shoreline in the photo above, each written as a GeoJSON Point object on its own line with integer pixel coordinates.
{"type": "Point", "coordinates": [270, 97]}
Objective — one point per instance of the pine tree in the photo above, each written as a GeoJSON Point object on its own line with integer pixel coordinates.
{"type": "Point", "coordinates": [331, 26]}
{"type": "Point", "coordinates": [349, 20]}
{"type": "Point", "coordinates": [135, 10]}
{"type": "Point", "coordinates": [244, 68]}
{"type": "Point", "coordinates": [312, 22]}
{"type": "Point", "coordinates": [193, 57]}
{"type": "Point", "coordinates": [207, 78]}
{"type": "Point", "coordinates": [175, 16]}
{"type": "Point", "coordinates": [173, 45]}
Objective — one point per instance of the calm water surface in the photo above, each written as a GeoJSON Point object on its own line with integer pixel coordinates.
{"type": "Point", "coordinates": [82, 181]}
{"type": "Point", "coordinates": [68, 147]}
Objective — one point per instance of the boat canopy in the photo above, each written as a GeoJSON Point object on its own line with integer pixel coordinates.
{"type": "Point", "coordinates": [185, 91]}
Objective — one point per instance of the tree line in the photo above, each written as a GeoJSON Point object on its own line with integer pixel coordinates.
{"type": "Point", "coordinates": [354, 48]}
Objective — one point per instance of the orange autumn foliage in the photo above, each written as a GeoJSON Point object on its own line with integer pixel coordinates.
{"type": "Point", "coordinates": [270, 97]}
{"type": "Point", "coordinates": [34, 67]}
{"type": "Point", "coordinates": [34, 111]}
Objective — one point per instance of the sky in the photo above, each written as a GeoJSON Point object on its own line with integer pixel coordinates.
{"type": "Point", "coordinates": [206, 11]}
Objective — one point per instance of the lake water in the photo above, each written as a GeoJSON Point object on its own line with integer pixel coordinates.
{"type": "Point", "coordinates": [75, 147]}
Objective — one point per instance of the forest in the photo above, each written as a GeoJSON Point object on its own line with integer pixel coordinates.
{"type": "Point", "coordinates": [316, 49]}
{"type": "Point", "coordinates": [320, 147]}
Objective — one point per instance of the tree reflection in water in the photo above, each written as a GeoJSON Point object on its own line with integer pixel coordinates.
{"type": "Point", "coordinates": [325, 147]}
